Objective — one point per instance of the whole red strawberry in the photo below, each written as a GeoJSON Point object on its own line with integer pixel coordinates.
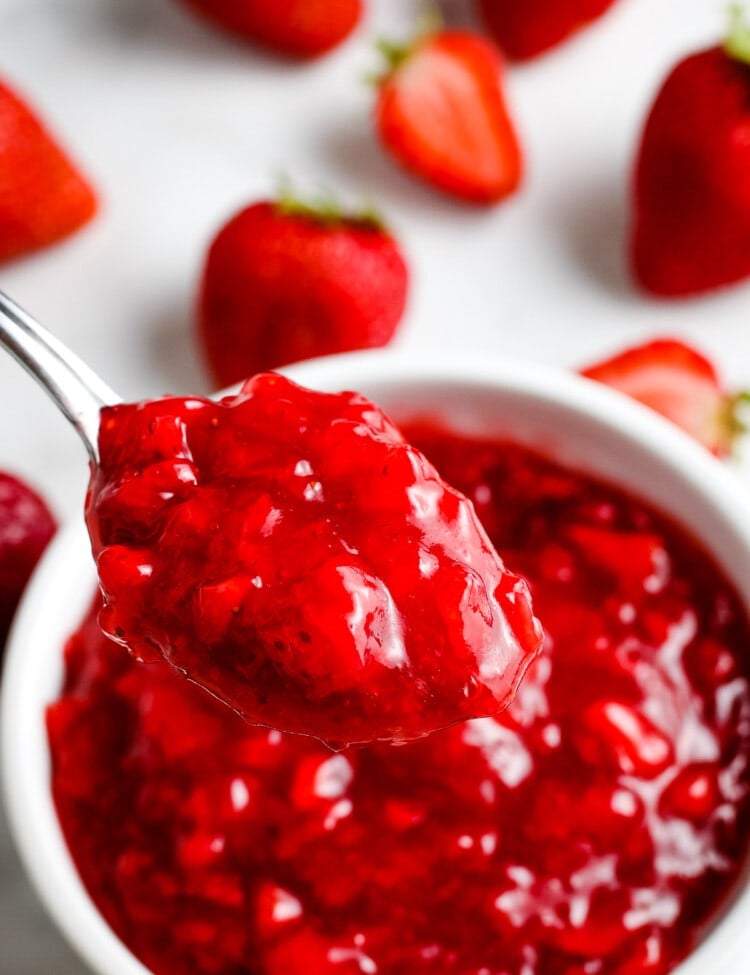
{"type": "Point", "coordinates": [691, 228]}
{"type": "Point", "coordinates": [525, 28]}
{"type": "Point", "coordinates": [42, 195]}
{"type": "Point", "coordinates": [680, 383]}
{"type": "Point", "coordinates": [25, 528]}
{"type": "Point", "coordinates": [298, 28]}
{"type": "Point", "coordinates": [441, 112]}
{"type": "Point", "coordinates": [287, 281]}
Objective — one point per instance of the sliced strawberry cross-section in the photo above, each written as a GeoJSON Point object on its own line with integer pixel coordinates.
{"type": "Point", "coordinates": [679, 382]}
{"type": "Point", "coordinates": [441, 113]}
{"type": "Point", "coordinates": [300, 560]}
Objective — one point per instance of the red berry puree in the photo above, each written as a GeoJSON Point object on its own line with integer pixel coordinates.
{"type": "Point", "coordinates": [595, 828]}
{"type": "Point", "coordinates": [289, 551]}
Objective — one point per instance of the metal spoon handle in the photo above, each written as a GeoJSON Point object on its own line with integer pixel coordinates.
{"type": "Point", "coordinates": [74, 387]}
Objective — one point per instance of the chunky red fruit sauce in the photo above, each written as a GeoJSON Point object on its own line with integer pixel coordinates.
{"type": "Point", "coordinates": [289, 551]}
{"type": "Point", "coordinates": [593, 829]}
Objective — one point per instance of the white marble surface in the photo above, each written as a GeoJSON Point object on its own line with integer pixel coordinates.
{"type": "Point", "coordinates": [178, 127]}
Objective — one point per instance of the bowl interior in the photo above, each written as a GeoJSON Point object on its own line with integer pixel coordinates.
{"type": "Point", "coordinates": [573, 420]}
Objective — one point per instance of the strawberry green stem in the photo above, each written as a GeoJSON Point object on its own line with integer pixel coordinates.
{"type": "Point", "coordinates": [325, 209]}
{"type": "Point", "coordinates": [734, 423]}
{"type": "Point", "coordinates": [737, 44]}
{"type": "Point", "coordinates": [395, 53]}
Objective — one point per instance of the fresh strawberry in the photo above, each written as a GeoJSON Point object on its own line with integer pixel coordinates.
{"type": "Point", "coordinates": [525, 28]}
{"type": "Point", "coordinates": [287, 281]}
{"type": "Point", "coordinates": [441, 112]}
{"type": "Point", "coordinates": [297, 28]}
{"type": "Point", "coordinates": [681, 384]}
{"type": "Point", "coordinates": [25, 528]}
{"type": "Point", "coordinates": [42, 196]}
{"type": "Point", "coordinates": [691, 228]}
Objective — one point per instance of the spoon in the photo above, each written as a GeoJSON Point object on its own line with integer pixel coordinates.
{"type": "Point", "coordinates": [290, 552]}
{"type": "Point", "coordinates": [76, 389]}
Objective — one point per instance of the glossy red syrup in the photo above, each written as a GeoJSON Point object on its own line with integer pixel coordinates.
{"type": "Point", "coordinates": [289, 551]}
{"type": "Point", "coordinates": [595, 828]}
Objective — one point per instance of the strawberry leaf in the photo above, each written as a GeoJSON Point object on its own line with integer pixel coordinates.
{"type": "Point", "coordinates": [737, 406]}
{"type": "Point", "coordinates": [396, 53]}
{"type": "Point", "coordinates": [738, 42]}
{"type": "Point", "coordinates": [326, 209]}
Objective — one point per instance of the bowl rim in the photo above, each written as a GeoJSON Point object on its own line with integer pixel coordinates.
{"type": "Point", "coordinates": [34, 824]}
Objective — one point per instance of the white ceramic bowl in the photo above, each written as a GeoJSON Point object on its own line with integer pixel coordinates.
{"type": "Point", "coordinates": [571, 419]}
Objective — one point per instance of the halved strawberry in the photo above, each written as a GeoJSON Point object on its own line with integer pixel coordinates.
{"type": "Point", "coordinates": [43, 197]}
{"type": "Point", "coordinates": [680, 383]}
{"type": "Point", "coordinates": [441, 112]}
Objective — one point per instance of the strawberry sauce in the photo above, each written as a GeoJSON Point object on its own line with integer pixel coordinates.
{"type": "Point", "coordinates": [289, 551]}
{"type": "Point", "coordinates": [595, 828]}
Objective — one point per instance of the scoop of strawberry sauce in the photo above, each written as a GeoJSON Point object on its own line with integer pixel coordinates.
{"type": "Point", "coordinates": [290, 552]}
